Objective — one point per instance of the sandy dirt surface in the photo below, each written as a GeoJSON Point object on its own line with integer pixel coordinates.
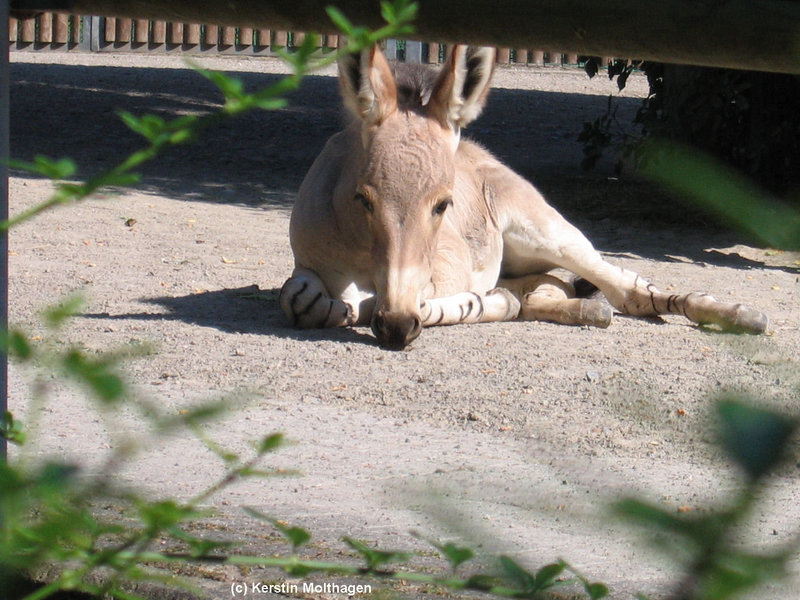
{"type": "Point", "coordinates": [511, 437]}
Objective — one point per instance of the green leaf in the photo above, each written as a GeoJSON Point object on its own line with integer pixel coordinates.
{"type": "Point", "coordinates": [227, 456]}
{"type": "Point", "coordinates": [165, 514]}
{"type": "Point", "coordinates": [271, 442]}
{"type": "Point", "coordinates": [596, 590]}
{"type": "Point", "coordinates": [52, 169]}
{"type": "Point", "coordinates": [182, 136]}
{"type": "Point", "coordinates": [117, 179]}
{"type": "Point", "coordinates": [55, 316]}
{"type": "Point", "coordinates": [59, 169]}
{"type": "Point", "coordinates": [399, 14]}
{"type": "Point", "coordinates": [15, 344]}
{"type": "Point", "coordinates": [55, 169]}
{"type": "Point", "coordinates": [11, 429]}
{"type": "Point", "coordinates": [198, 546]}
{"type": "Point", "coordinates": [755, 438]}
{"type": "Point", "coordinates": [456, 555]}
{"type": "Point", "coordinates": [249, 472]}
{"type": "Point", "coordinates": [648, 514]}
{"type": "Point", "coordinates": [339, 20]}
{"type": "Point", "coordinates": [388, 12]}
{"type": "Point", "coordinates": [546, 576]}
{"type": "Point", "coordinates": [231, 87]}
{"type": "Point", "coordinates": [482, 582]}
{"type": "Point", "coordinates": [271, 103]}
{"type": "Point", "coordinates": [733, 574]}
{"type": "Point", "coordinates": [56, 476]}
{"type": "Point", "coordinates": [299, 570]}
{"type": "Point", "coordinates": [307, 48]}
{"type": "Point", "coordinates": [297, 536]}
{"type": "Point", "coordinates": [698, 530]}
{"type": "Point", "coordinates": [524, 580]}
{"type": "Point", "coordinates": [195, 415]}
{"type": "Point", "coordinates": [97, 375]}
{"type": "Point", "coordinates": [375, 558]}
{"type": "Point", "coordinates": [151, 127]}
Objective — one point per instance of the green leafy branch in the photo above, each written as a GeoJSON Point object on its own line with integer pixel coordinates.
{"type": "Point", "coordinates": [48, 511]}
{"type": "Point", "coordinates": [513, 581]}
{"type": "Point", "coordinates": [48, 518]}
{"type": "Point", "coordinates": [716, 568]}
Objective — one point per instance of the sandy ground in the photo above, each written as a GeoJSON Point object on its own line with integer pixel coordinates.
{"type": "Point", "coordinates": [512, 437]}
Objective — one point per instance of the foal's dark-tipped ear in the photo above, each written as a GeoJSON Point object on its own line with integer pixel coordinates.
{"type": "Point", "coordinates": [460, 92]}
{"type": "Point", "coordinates": [367, 84]}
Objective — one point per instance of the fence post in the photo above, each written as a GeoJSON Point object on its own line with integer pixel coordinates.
{"type": "Point", "coordinates": [92, 34]}
{"type": "Point", "coordinates": [4, 155]}
{"type": "Point", "coordinates": [391, 49]}
{"type": "Point", "coordinates": [414, 52]}
{"type": "Point", "coordinates": [61, 30]}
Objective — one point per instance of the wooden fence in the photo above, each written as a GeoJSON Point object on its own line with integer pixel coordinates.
{"type": "Point", "coordinates": [60, 32]}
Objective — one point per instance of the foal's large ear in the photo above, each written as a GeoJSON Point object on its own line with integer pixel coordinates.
{"type": "Point", "coordinates": [368, 86]}
{"type": "Point", "coordinates": [460, 91]}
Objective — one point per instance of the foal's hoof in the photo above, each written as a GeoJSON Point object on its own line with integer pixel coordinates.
{"type": "Point", "coordinates": [596, 313]}
{"type": "Point", "coordinates": [748, 320]}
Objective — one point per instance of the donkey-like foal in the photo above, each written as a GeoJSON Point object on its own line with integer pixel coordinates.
{"type": "Point", "coordinates": [401, 224]}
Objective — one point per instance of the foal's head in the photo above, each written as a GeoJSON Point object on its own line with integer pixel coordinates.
{"type": "Point", "coordinates": [410, 125]}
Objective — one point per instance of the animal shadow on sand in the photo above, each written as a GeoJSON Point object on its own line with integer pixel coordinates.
{"type": "Point", "coordinates": [246, 310]}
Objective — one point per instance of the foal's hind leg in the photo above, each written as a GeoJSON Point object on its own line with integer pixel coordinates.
{"type": "Point", "coordinates": [633, 295]}
{"type": "Point", "coordinates": [548, 298]}
{"type": "Point", "coordinates": [308, 305]}
{"type": "Point", "coordinates": [535, 234]}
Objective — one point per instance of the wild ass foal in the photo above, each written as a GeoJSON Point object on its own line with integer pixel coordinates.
{"type": "Point", "coordinates": [401, 224]}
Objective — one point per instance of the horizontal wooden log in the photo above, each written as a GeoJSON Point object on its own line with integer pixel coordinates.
{"type": "Point", "coordinates": [751, 34]}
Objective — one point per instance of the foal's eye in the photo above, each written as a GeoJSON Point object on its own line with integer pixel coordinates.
{"type": "Point", "coordinates": [442, 205]}
{"type": "Point", "coordinates": [365, 202]}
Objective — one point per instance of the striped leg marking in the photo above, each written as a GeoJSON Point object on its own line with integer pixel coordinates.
{"type": "Point", "coordinates": [307, 304]}
{"type": "Point", "coordinates": [468, 307]}
{"type": "Point", "coordinates": [705, 310]}
{"type": "Point", "coordinates": [647, 300]}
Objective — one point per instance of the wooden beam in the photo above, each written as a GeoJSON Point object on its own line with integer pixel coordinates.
{"type": "Point", "coordinates": [745, 34]}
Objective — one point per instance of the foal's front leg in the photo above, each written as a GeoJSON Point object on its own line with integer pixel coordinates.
{"type": "Point", "coordinates": [306, 302]}
{"type": "Point", "coordinates": [469, 307]}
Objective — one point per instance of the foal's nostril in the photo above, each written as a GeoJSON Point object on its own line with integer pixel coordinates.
{"type": "Point", "coordinates": [395, 331]}
{"type": "Point", "coordinates": [416, 329]}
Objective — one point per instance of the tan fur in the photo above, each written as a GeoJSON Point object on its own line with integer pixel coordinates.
{"type": "Point", "coordinates": [401, 224]}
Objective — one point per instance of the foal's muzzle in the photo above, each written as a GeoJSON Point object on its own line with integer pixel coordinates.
{"type": "Point", "coordinates": [394, 330]}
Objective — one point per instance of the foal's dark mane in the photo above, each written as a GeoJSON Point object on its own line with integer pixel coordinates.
{"type": "Point", "coordinates": [414, 85]}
